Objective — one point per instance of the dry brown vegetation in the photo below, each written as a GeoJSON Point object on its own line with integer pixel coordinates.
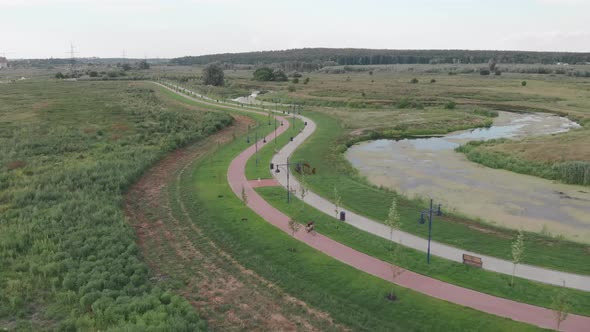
{"type": "Point", "coordinates": [566, 147]}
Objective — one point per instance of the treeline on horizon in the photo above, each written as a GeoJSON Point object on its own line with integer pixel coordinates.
{"type": "Point", "coordinates": [315, 58]}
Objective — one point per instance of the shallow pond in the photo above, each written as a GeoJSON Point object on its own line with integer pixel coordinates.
{"type": "Point", "coordinates": [429, 167]}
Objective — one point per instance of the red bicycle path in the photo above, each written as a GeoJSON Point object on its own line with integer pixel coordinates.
{"type": "Point", "coordinates": [522, 312]}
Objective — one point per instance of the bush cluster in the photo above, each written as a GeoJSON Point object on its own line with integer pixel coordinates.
{"type": "Point", "coordinates": [266, 74]}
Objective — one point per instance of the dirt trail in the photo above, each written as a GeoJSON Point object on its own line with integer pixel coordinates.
{"type": "Point", "coordinates": [226, 294]}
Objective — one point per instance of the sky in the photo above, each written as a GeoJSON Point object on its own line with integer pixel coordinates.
{"type": "Point", "coordinates": [174, 28]}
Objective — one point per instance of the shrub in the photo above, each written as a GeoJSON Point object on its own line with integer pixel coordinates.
{"type": "Point", "coordinates": [433, 81]}
{"type": "Point", "coordinates": [59, 75]}
{"type": "Point", "coordinates": [450, 105]}
{"type": "Point", "coordinates": [306, 80]}
{"type": "Point", "coordinates": [295, 80]}
{"type": "Point", "coordinates": [266, 74]}
{"type": "Point", "coordinates": [291, 88]}
{"type": "Point", "coordinates": [414, 81]}
{"type": "Point", "coordinates": [279, 76]}
{"type": "Point", "coordinates": [484, 72]}
{"type": "Point", "coordinates": [93, 74]}
{"type": "Point", "coordinates": [497, 72]}
{"type": "Point", "coordinates": [523, 83]}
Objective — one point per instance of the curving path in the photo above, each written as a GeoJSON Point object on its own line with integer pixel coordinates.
{"type": "Point", "coordinates": [522, 312]}
{"type": "Point", "coordinates": [539, 274]}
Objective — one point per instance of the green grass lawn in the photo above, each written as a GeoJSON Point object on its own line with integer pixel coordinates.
{"type": "Point", "coordinates": [323, 150]}
{"type": "Point", "coordinates": [348, 295]}
{"type": "Point", "coordinates": [459, 274]}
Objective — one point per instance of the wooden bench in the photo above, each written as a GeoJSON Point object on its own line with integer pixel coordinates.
{"type": "Point", "coordinates": [472, 260]}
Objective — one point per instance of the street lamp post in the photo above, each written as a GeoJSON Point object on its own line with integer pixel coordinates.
{"type": "Point", "coordinates": [256, 144]}
{"type": "Point", "coordinates": [430, 211]}
{"type": "Point", "coordinates": [275, 131]}
{"type": "Point", "coordinates": [286, 168]}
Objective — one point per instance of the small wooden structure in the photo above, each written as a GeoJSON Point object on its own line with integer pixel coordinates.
{"type": "Point", "coordinates": [472, 260]}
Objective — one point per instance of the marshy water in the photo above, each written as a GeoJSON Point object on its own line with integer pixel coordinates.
{"type": "Point", "coordinates": [429, 167]}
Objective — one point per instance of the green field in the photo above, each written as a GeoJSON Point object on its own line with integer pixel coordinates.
{"type": "Point", "coordinates": [68, 152]}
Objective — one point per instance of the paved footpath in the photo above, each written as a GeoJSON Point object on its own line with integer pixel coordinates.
{"type": "Point", "coordinates": [575, 281]}
{"type": "Point", "coordinates": [522, 312]}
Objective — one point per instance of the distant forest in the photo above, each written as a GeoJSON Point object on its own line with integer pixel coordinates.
{"type": "Point", "coordinates": [314, 58]}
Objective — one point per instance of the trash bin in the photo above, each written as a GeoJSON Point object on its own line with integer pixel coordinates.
{"type": "Point", "coordinates": [342, 216]}
{"type": "Point", "coordinates": [272, 166]}
{"type": "Point", "coordinates": [291, 138]}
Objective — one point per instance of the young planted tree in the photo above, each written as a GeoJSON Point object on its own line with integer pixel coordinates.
{"type": "Point", "coordinates": [303, 189]}
{"type": "Point", "coordinates": [244, 196]}
{"type": "Point", "coordinates": [517, 252]}
{"type": "Point", "coordinates": [393, 221]}
{"type": "Point", "coordinates": [337, 201]}
{"type": "Point", "coordinates": [560, 306]}
{"type": "Point", "coordinates": [294, 226]}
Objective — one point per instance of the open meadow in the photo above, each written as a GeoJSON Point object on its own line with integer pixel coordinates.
{"type": "Point", "coordinates": [68, 153]}
{"type": "Point", "coordinates": [104, 227]}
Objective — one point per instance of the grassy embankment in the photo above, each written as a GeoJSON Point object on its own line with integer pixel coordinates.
{"type": "Point", "coordinates": [348, 295]}
{"type": "Point", "coordinates": [69, 150]}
